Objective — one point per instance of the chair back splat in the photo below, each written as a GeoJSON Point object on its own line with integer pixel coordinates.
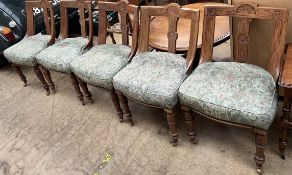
{"type": "Point", "coordinates": [174, 12]}
{"type": "Point", "coordinates": [246, 12]}
{"type": "Point", "coordinates": [124, 9]}
{"type": "Point", "coordinates": [48, 18]}
{"type": "Point", "coordinates": [85, 14]}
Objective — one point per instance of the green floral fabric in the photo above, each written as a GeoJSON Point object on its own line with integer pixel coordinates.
{"type": "Point", "coordinates": [58, 56]}
{"type": "Point", "coordinates": [233, 92]}
{"type": "Point", "coordinates": [24, 52]}
{"type": "Point", "coordinates": [98, 66]}
{"type": "Point", "coordinates": [152, 78]}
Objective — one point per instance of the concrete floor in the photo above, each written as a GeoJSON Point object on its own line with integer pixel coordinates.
{"type": "Point", "coordinates": [56, 135]}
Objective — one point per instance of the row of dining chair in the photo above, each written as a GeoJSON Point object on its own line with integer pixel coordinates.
{"type": "Point", "coordinates": [234, 93]}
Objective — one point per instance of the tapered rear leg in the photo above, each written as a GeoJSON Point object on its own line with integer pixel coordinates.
{"type": "Point", "coordinates": [40, 76]}
{"type": "Point", "coordinates": [48, 77]}
{"type": "Point", "coordinates": [86, 92]}
{"type": "Point", "coordinates": [20, 74]}
{"type": "Point", "coordinates": [75, 84]}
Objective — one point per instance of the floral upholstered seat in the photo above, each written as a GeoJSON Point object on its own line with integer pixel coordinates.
{"type": "Point", "coordinates": [24, 52]}
{"type": "Point", "coordinates": [152, 78]}
{"type": "Point", "coordinates": [58, 56]}
{"type": "Point", "coordinates": [233, 92]}
{"type": "Point", "coordinates": [98, 66]}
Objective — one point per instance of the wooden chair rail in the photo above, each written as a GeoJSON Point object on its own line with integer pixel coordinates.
{"type": "Point", "coordinates": [246, 12]}
{"type": "Point", "coordinates": [48, 18]}
{"type": "Point", "coordinates": [174, 13]}
{"type": "Point", "coordinates": [124, 9]}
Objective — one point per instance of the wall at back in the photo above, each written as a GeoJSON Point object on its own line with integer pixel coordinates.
{"type": "Point", "coordinates": [261, 32]}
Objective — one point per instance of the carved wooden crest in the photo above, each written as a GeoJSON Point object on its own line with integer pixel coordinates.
{"type": "Point", "coordinates": [247, 8]}
{"type": "Point", "coordinates": [122, 5]}
{"type": "Point", "coordinates": [172, 9]}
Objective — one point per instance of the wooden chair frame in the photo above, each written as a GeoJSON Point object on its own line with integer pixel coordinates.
{"type": "Point", "coordinates": [247, 12]}
{"type": "Point", "coordinates": [50, 27]}
{"type": "Point", "coordinates": [174, 12]}
{"type": "Point", "coordinates": [83, 7]}
{"type": "Point", "coordinates": [124, 9]}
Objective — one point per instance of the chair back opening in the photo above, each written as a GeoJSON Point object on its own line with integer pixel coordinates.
{"type": "Point", "coordinates": [173, 12]}
{"type": "Point", "coordinates": [245, 13]}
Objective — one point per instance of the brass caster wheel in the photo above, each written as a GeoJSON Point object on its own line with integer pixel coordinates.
{"type": "Point", "coordinates": [195, 141]}
{"type": "Point", "coordinates": [283, 156]}
{"type": "Point", "coordinates": [259, 171]}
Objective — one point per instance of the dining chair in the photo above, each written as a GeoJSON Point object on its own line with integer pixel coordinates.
{"type": "Point", "coordinates": [59, 56]}
{"type": "Point", "coordinates": [153, 78]}
{"type": "Point", "coordinates": [23, 53]}
{"type": "Point", "coordinates": [236, 93]}
{"type": "Point", "coordinates": [98, 66]}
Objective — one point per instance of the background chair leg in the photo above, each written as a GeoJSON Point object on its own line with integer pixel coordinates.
{"type": "Point", "coordinates": [48, 77]}
{"type": "Point", "coordinates": [284, 123]}
{"type": "Point", "coordinates": [125, 106]}
{"type": "Point", "coordinates": [116, 103]}
{"type": "Point", "coordinates": [189, 118]}
{"type": "Point", "coordinates": [260, 141]}
{"type": "Point", "coordinates": [86, 92]}
{"type": "Point", "coordinates": [77, 88]}
{"type": "Point", "coordinates": [20, 74]}
{"type": "Point", "coordinates": [40, 76]}
{"type": "Point", "coordinates": [112, 37]}
{"type": "Point", "coordinates": [171, 123]}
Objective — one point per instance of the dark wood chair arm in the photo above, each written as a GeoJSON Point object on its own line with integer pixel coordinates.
{"type": "Point", "coordinates": [286, 74]}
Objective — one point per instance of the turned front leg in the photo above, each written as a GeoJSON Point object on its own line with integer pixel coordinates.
{"type": "Point", "coordinates": [170, 113]}
{"type": "Point", "coordinates": [189, 119]}
{"type": "Point", "coordinates": [125, 106]}
{"type": "Point", "coordinates": [260, 142]}
{"type": "Point", "coordinates": [116, 103]}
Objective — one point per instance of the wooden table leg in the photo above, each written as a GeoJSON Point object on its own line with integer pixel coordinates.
{"type": "Point", "coordinates": [285, 123]}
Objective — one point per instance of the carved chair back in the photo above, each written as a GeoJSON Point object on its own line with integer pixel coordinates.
{"type": "Point", "coordinates": [85, 15]}
{"type": "Point", "coordinates": [246, 12]}
{"type": "Point", "coordinates": [174, 12]}
{"type": "Point", "coordinates": [124, 9]}
{"type": "Point", "coordinates": [48, 18]}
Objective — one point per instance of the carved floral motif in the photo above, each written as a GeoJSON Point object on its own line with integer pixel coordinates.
{"type": "Point", "coordinates": [242, 39]}
{"type": "Point", "coordinates": [246, 8]}
{"type": "Point", "coordinates": [172, 35]}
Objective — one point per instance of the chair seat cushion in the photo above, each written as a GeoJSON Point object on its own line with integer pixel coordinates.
{"type": "Point", "coordinates": [234, 92]}
{"type": "Point", "coordinates": [24, 52]}
{"type": "Point", "coordinates": [98, 66]}
{"type": "Point", "coordinates": [59, 56]}
{"type": "Point", "coordinates": [152, 78]}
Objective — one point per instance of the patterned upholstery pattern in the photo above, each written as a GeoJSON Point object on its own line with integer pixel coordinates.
{"type": "Point", "coordinates": [152, 78]}
{"type": "Point", "coordinates": [234, 92]}
{"type": "Point", "coordinates": [59, 56]}
{"type": "Point", "coordinates": [24, 52]}
{"type": "Point", "coordinates": [98, 66]}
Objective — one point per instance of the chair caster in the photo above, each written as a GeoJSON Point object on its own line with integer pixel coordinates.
{"type": "Point", "coordinates": [53, 89]}
{"type": "Point", "coordinates": [194, 140]}
{"type": "Point", "coordinates": [259, 171]}
{"type": "Point", "coordinates": [174, 142]}
{"type": "Point", "coordinates": [283, 156]}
